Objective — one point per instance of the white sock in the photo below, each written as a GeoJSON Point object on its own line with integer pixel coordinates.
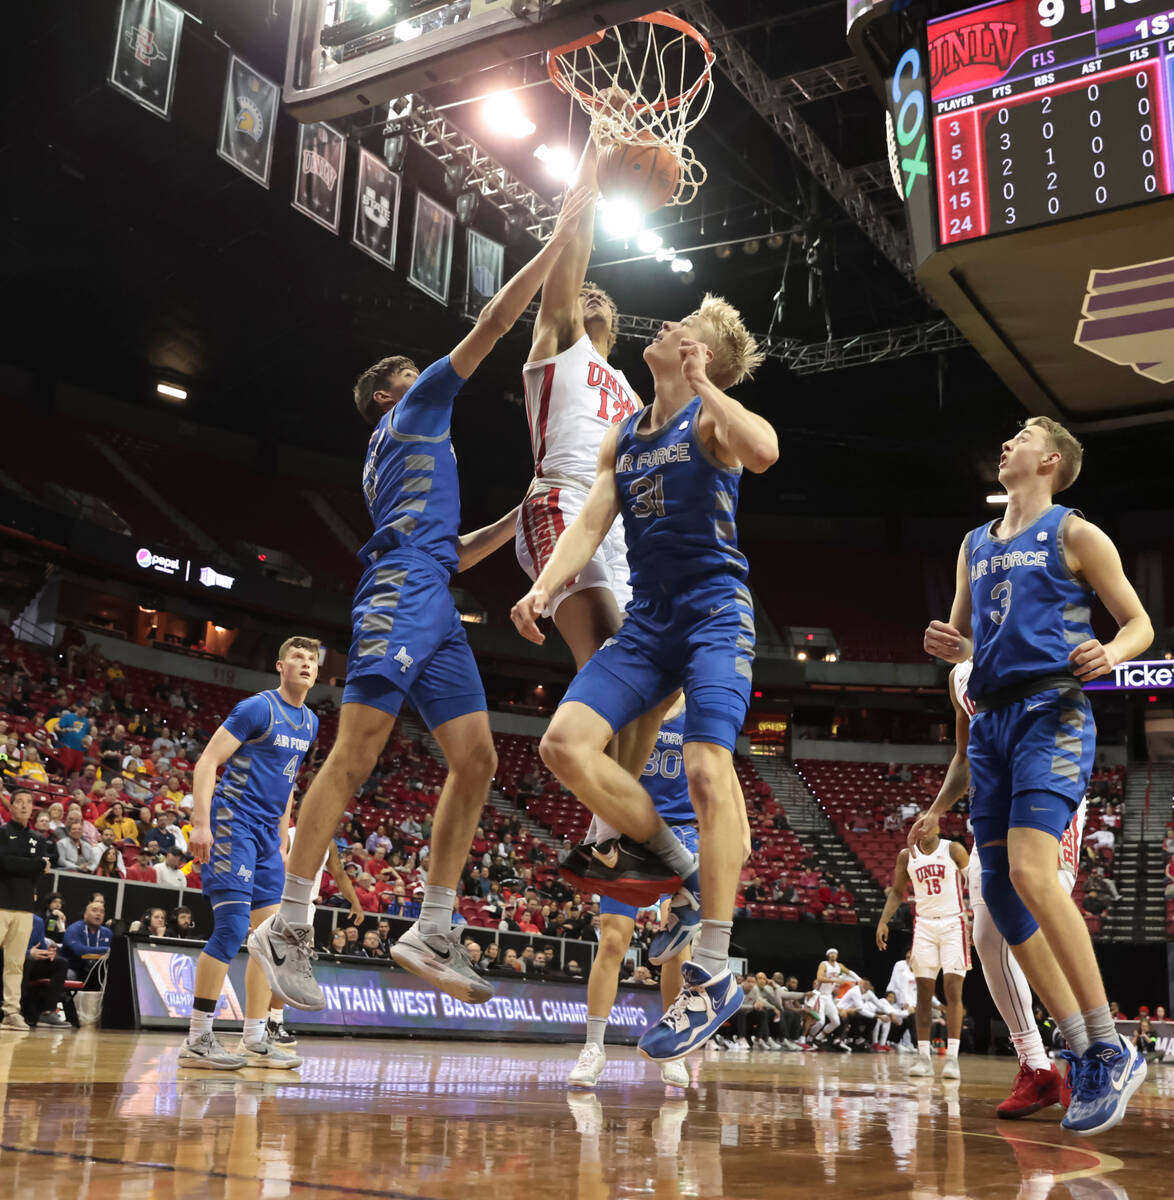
{"type": "Point", "coordinates": [436, 909]}
{"type": "Point", "coordinates": [596, 1026]}
{"type": "Point", "coordinates": [296, 898]}
{"type": "Point", "coordinates": [254, 1030]}
{"type": "Point", "coordinates": [600, 831]}
{"type": "Point", "coordinates": [200, 1024]}
{"type": "Point", "coordinates": [952, 1047]}
{"type": "Point", "coordinates": [1030, 1048]}
{"type": "Point", "coordinates": [925, 1049]}
{"type": "Point", "coordinates": [277, 1015]}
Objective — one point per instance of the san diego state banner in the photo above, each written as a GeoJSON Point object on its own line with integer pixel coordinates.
{"type": "Point", "coordinates": [318, 174]}
{"type": "Point", "coordinates": [146, 48]}
{"type": "Point", "coordinates": [247, 120]}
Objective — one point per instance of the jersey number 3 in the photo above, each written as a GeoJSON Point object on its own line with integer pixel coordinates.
{"type": "Point", "coordinates": [1001, 594]}
{"type": "Point", "coordinates": [649, 496]}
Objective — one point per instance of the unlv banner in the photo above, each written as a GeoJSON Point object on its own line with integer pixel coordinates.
{"type": "Point", "coordinates": [247, 120]}
{"type": "Point", "coordinates": [318, 174]}
{"type": "Point", "coordinates": [376, 209]}
{"type": "Point", "coordinates": [145, 51]}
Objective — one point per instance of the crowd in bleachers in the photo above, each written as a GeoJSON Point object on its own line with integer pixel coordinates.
{"type": "Point", "coordinates": [872, 805]}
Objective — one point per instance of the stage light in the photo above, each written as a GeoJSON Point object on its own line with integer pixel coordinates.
{"type": "Point", "coordinates": [665, 254]}
{"type": "Point", "coordinates": [681, 265]}
{"type": "Point", "coordinates": [830, 657]}
{"type": "Point", "coordinates": [775, 241]}
{"type": "Point", "coordinates": [377, 7]}
{"type": "Point", "coordinates": [802, 656]}
{"type": "Point", "coordinates": [504, 114]}
{"type": "Point", "coordinates": [648, 242]}
{"type": "Point", "coordinates": [559, 162]}
{"type": "Point", "coordinates": [171, 391]}
{"type": "Point", "coordinates": [997, 498]}
{"type": "Point", "coordinates": [724, 251]}
{"type": "Point", "coordinates": [752, 247]}
{"type": "Point", "coordinates": [621, 218]}
{"type": "Point", "coordinates": [405, 31]}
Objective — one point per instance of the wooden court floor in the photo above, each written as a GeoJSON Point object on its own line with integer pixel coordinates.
{"type": "Point", "coordinates": [90, 1115]}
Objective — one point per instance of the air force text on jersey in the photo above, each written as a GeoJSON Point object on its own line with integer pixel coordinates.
{"type": "Point", "coordinates": [1007, 562]}
{"type": "Point", "coordinates": [678, 452]}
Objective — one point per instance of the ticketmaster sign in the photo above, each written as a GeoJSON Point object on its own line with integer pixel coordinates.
{"type": "Point", "coordinates": [1136, 675]}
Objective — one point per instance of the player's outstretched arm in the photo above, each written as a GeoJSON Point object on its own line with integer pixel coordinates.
{"type": "Point", "coordinates": [948, 641]}
{"type": "Point", "coordinates": [560, 320]}
{"type": "Point", "coordinates": [500, 315]}
{"type": "Point", "coordinates": [739, 436]}
{"type": "Point", "coordinates": [1092, 555]}
{"type": "Point", "coordinates": [893, 898]}
{"type": "Point", "coordinates": [221, 746]}
{"type": "Point", "coordinates": [481, 543]}
{"type": "Point", "coordinates": [577, 544]}
{"type": "Point", "coordinates": [344, 883]}
{"type": "Point", "coordinates": [957, 781]}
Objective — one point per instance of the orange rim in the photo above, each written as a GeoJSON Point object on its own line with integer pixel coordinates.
{"type": "Point", "coordinates": [667, 20]}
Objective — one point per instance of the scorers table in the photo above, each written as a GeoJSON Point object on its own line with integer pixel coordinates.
{"type": "Point", "coordinates": [1033, 148]}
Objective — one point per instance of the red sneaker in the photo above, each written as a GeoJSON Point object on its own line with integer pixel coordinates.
{"type": "Point", "coordinates": [1033, 1090]}
{"type": "Point", "coordinates": [1065, 1088]}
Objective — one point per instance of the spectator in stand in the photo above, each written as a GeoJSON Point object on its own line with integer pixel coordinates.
{"type": "Point", "coordinates": [892, 822]}
{"type": "Point", "coordinates": [31, 768]}
{"type": "Point", "coordinates": [809, 878]}
{"type": "Point", "coordinates": [42, 827]}
{"type": "Point", "coordinates": [132, 762]}
{"type": "Point", "coordinates": [1099, 879]}
{"type": "Point", "coordinates": [379, 839]}
{"type": "Point", "coordinates": [785, 893]}
{"type": "Point", "coordinates": [73, 727]}
{"type": "Point", "coordinates": [1102, 839]}
{"type": "Point", "coordinates": [56, 817]}
{"type": "Point", "coordinates": [124, 828]}
{"type": "Point", "coordinates": [86, 779]}
{"type": "Point", "coordinates": [170, 872]}
{"type": "Point", "coordinates": [511, 962]}
{"type": "Point", "coordinates": [54, 914]}
{"type": "Point", "coordinates": [153, 923]}
{"type": "Point", "coordinates": [908, 811]}
{"type": "Point", "coordinates": [336, 946]}
{"type": "Point", "coordinates": [169, 833]}
{"type": "Point", "coordinates": [1145, 1039]}
{"type": "Point", "coordinates": [109, 864]}
{"type": "Point", "coordinates": [841, 896]}
{"type": "Point", "coordinates": [365, 890]}
{"type": "Point", "coordinates": [74, 853]}
{"type": "Point", "coordinates": [23, 858]}
{"type": "Point", "coordinates": [89, 829]}
{"type": "Point", "coordinates": [87, 941]}
{"type": "Point", "coordinates": [491, 960]}
{"type": "Point", "coordinates": [173, 791]}
{"type": "Point", "coordinates": [371, 946]}
{"type": "Point", "coordinates": [410, 827]}
{"type": "Point", "coordinates": [1170, 878]}
{"type": "Point", "coordinates": [43, 982]}
{"type": "Point", "coordinates": [182, 923]}
{"type": "Point", "coordinates": [352, 938]}
{"type": "Point", "coordinates": [1168, 844]}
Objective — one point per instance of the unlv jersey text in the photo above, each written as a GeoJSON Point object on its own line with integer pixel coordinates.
{"type": "Point", "coordinates": [930, 871]}
{"type": "Point", "coordinates": [984, 43]}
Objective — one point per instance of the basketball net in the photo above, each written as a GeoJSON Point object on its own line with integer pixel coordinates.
{"type": "Point", "coordinates": [666, 74]}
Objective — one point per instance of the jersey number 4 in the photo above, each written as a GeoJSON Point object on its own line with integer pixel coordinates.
{"type": "Point", "coordinates": [649, 496]}
{"type": "Point", "coordinates": [291, 770]}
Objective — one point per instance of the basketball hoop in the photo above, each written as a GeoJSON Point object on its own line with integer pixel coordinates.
{"type": "Point", "coordinates": [664, 69]}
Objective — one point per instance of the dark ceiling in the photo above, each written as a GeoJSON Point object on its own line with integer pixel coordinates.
{"type": "Point", "coordinates": [131, 249]}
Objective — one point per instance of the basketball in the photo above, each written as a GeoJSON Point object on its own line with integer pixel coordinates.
{"type": "Point", "coordinates": [645, 172]}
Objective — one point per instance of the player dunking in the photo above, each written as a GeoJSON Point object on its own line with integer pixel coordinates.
{"type": "Point", "coordinates": [1038, 1085]}
{"type": "Point", "coordinates": [673, 471]}
{"type": "Point", "coordinates": [239, 825]}
{"type": "Point", "coordinates": [408, 641]}
{"type": "Point", "coordinates": [941, 940]}
{"type": "Point", "coordinates": [1025, 586]}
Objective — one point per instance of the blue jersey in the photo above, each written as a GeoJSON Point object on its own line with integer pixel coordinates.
{"type": "Point", "coordinates": [1028, 610]}
{"type": "Point", "coordinates": [257, 779]}
{"type": "Point", "coordinates": [410, 475]}
{"type": "Point", "coordinates": [678, 505]}
{"type": "Point", "coordinates": [664, 774]}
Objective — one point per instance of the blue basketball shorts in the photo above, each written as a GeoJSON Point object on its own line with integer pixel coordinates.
{"type": "Point", "coordinates": [246, 859]}
{"type": "Point", "coordinates": [700, 638]}
{"type": "Point", "coordinates": [407, 641]}
{"type": "Point", "coordinates": [687, 836]}
{"type": "Point", "coordinates": [1030, 763]}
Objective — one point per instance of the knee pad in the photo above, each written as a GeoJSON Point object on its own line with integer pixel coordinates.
{"type": "Point", "coordinates": [230, 927]}
{"type": "Point", "coordinates": [1009, 913]}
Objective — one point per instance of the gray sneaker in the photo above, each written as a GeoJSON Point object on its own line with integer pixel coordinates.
{"type": "Point", "coordinates": [266, 1055]}
{"type": "Point", "coordinates": [286, 952]}
{"type": "Point", "coordinates": [443, 961]}
{"type": "Point", "coordinates": [207, 1054]}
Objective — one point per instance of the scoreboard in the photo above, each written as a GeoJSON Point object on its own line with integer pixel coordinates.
{"type": "Point", "coordinates": [1044, 110]}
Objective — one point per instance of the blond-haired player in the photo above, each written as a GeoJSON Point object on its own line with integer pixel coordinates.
{"type": "Point", "coordinates": [1023, 611]}
{"type": "Point", "coordinates": [673, 471]}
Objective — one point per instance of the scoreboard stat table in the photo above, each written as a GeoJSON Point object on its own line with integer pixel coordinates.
{"type": "Point", "coordinates": [1049, 109]}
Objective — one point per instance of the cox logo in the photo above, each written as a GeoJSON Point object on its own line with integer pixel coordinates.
{"type": "Point", "coordinates": [909, 97]}
{"type": "Point", "coordinates": [143, 558]}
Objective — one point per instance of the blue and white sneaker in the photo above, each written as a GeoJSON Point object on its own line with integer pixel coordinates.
{"type": "Point", "coordinates": [1102, 1080]}
{"type": "Point", "coordinates": [705, 1003]}
{"type": "Point", "coordinates": [683, 924]}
